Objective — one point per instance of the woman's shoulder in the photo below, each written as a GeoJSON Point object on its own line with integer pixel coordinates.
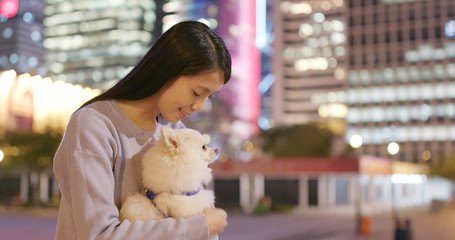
{"type": "Point", "coordinates": [100, 112]}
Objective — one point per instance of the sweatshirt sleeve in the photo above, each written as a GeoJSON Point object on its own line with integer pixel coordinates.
{"type": "Point", "coordinates": [83, 166]}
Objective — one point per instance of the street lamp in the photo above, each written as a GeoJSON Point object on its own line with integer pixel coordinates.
{"type": "Point", "coordinates": [2, 155]}
{"type": "Point", "coordinates": [356, 141]}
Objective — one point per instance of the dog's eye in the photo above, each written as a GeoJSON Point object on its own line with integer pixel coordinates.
{"type": "Point", "coordinates": [204, 147]}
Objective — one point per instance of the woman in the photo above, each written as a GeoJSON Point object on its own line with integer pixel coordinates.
{"type": "Point", "coordinates": [98, 162]}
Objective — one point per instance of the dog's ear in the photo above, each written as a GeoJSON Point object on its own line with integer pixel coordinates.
{"type": "Point", "coordinates": [170, 137]}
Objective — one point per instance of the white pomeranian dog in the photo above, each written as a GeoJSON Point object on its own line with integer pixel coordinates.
{"type": "Point", "coordinates": [174, 173]}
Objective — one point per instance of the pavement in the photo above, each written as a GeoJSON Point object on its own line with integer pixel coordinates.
{"type": "Point", "coordinates": [22, 223]}
{"type": "Point", "coordinates": [326, 226]}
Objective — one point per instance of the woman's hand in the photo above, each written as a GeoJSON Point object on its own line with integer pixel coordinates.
{"type": "Point", "coordinates": [216, 220]}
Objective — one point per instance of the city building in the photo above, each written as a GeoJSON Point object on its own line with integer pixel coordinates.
{"type": "Point", "coordinates": [95, 43]}
{"type": "Point", "coordinates": [21, 40]}
{"type": "Point", "coordinates": [310, 62]}
{"type": "Point", "coordinates": [401, 78]}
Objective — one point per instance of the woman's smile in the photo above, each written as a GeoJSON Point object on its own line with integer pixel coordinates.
{"type": "Point", "coordinates": [182, 114]}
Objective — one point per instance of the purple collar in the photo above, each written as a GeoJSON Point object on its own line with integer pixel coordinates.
{"type": "Point", "coordinates": [151, 195]}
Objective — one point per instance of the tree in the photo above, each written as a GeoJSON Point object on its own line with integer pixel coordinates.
{"type": "Point", "coordinates": [300, 140]}
{"type": "Point", "coordinates": [445, 169]}
{"type": "Point", "coordinates": [28, 150]}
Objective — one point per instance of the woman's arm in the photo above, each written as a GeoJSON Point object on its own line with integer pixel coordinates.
{"type": "Point", "coordinates": [83, 166]}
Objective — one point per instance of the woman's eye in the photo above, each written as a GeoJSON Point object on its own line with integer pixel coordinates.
{"type": "Point", "coordinates": [196, 94]}
{"type": "Point", "coordinates": [204, 147]}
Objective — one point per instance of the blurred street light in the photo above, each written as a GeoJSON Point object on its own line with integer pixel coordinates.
{"type": "Point", "coordinates": [393, 148]}
{"type": "Point", "coordinates": [2, 155]}
{"type": "Point", "coordinates": [356, 141]}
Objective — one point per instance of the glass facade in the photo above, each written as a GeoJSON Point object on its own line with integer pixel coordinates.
{"type": "Point", "coordinates": [401, 77]}
{"type": "Point", "coordinates": [96, 42]}
{"type": "Point", "coordinates": [311, 43]}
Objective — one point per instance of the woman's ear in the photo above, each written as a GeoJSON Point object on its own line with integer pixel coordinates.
{"type": "Point", "coordinates": [170, 137]}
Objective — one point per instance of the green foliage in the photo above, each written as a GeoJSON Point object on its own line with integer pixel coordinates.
{"type": "Point", "coordinates": [28, 150]}
{"type": "Point", "coordinates": [445, 168]}
{"type": "Point", "coordinates": [299, 140]}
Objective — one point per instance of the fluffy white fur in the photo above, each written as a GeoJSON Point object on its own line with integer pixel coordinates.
{"type": "Point", "coordinates": [176, 165]}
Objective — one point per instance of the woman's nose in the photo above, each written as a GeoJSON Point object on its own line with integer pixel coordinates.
{"type": "Point", "coordinates": [199, 105]}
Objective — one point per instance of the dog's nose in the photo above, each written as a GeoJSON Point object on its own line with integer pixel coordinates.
{"type": "Point", "coordinates": [216, 150]}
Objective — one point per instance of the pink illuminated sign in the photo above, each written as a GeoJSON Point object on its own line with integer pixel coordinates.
{"type": "Point", "coordinates": [238, 29]}
{"type": "Point", "coordinates": [9, 8]}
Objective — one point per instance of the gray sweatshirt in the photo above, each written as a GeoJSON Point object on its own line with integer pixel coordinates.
{"type": "Point", "coordinates": [97, 165]}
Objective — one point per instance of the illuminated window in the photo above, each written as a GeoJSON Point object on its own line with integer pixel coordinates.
{"type": "Point", "coordinates": [353, 115]}
{"type": "Point", "coordinates": [413, 93]}
{"type": "Point", "coordinates": [365, 76]}
{"type": "Point", "coordinates": [389, 94]}
{"type": "Point", "coordinates": [425, 112]}
{"type": "Point", "coordinates": [403, 114]}
{"type": "Point", "coordinates": [353, 96]}
{"type": "Point", "coordinates": [428, 133]}
{"type": "Point", "coordinates": [365, 96]}
{"type": "Point", "coordinates": [450, 90]}
{"type": "Point", "coordinates": [414, 74]}
{"type": "Point", "coordinates": [439, 54]}
{"type": "Point", "coordinates": [412, 56]}
{"type": "Point", "coordinates": [450, 110]}
{"type": "Point", "coordinates": [377, 76]}
{"type": "Point", "coordinates": [376, 94]}
{"type": "Point", "coordinates": [388, 75]}
{"type": "Point", "coordinates": [450, 50]}
{"type": "Point", "coordinates": [402, 93]}
{"type": "Point", "coordinates": [426, 73]}
{"type": "Point", "coordinates": [439, 71]}
{"type": "Point", "coordinates": [402, 75]}
{"type": "Point", "coordinates": [451, 70]}
{"type": "Point", "coordinates": [378, 114]}
{"type": "Point", "coordinates": [449, 28]}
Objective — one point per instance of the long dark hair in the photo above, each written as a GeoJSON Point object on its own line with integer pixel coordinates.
{"type": "Point", "coordinates": [186, 49]}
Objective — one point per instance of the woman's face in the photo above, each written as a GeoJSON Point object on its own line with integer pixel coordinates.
{"type": "Point", "coordinates": [187, 94]}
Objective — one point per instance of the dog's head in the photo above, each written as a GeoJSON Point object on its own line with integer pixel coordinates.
{"type": "Point", "coordinates": [178, 162]}
{"type": "Point", "coordinates": [188, 145]}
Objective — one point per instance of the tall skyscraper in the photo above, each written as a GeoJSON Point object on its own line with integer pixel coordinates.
{"type": "Point", "coordinates": [401, 78]}
{"type": "Point", "coordinates": [95, 42]}
{"type": "Point", "coordinates": [310, 62]}
{"type": "Point", "coordinates": [21, 40]}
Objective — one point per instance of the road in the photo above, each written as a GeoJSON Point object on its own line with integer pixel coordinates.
{"type": "Point", "coordinates": [36, 225]}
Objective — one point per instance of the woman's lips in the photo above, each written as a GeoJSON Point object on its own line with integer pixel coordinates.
{"type": "Point", "coordinates": [182, 115]}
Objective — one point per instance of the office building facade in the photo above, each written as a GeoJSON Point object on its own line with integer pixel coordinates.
{"type": "Point", "coordinates": [309, 62]}
{"type": "Point", "coordinates": [401, 78]}
{"type": "Point", "coordinates": [95, 43]}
